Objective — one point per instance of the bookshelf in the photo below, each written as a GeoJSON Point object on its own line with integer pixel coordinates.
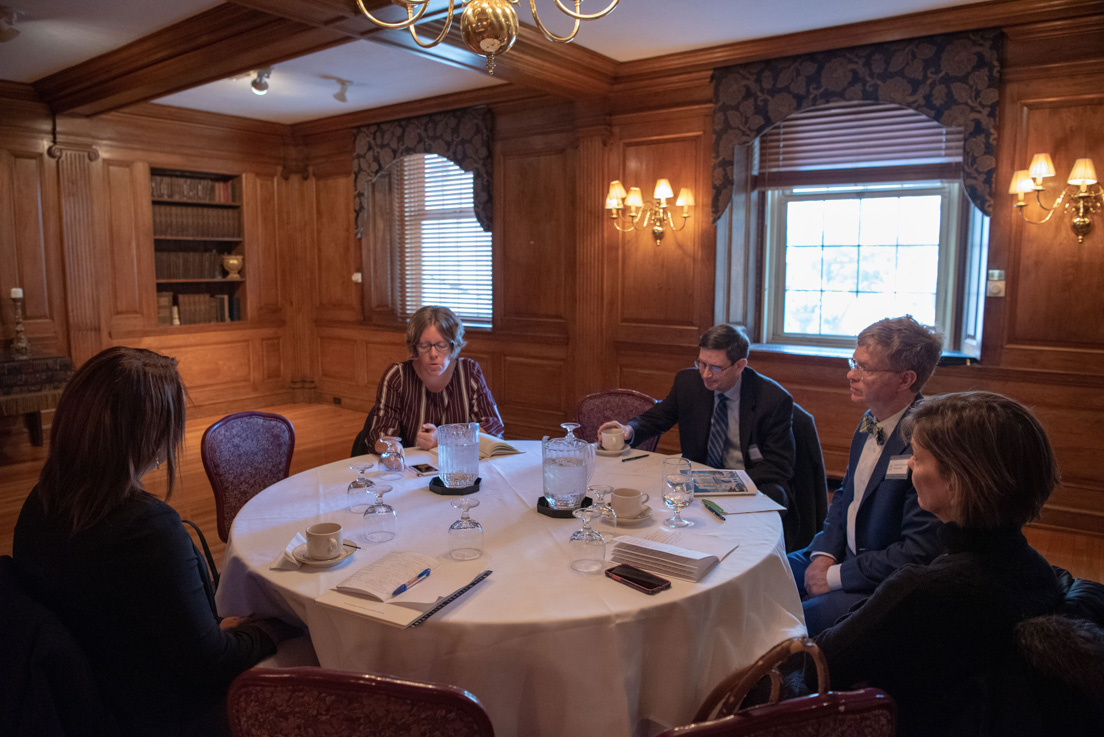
{"type": "Point", "coordinates": [198, 247]}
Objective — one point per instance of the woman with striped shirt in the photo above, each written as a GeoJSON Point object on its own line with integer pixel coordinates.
{"type": "Point", "coordinates": [433, 387]}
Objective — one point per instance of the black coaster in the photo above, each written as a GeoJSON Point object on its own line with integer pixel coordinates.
{"type": "Point", "coordinates": [437, 486]}
{"type": "Point", "coordinates": [543, 508]}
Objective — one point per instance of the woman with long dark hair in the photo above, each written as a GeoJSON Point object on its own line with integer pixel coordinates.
{"type": "Point", "coordinates": [115, 563]}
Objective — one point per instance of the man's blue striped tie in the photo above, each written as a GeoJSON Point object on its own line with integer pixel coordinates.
{"type": "Point", "coordinates": [718, 433]}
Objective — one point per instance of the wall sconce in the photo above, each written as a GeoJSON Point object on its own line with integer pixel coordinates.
{"type": "Point", "coordinates": [260, 83]}
{"type": "Point", "coordinates": [1082, 202]}
{"type": "Point", "coordinates": [640, 215]}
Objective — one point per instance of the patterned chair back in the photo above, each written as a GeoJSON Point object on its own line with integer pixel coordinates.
{"type": "Point", "coordinates": [616, 404]}
{"type": "Point", "coordinates": [243, 454]}
{"type": "Point", "coordinates": [297, 702]}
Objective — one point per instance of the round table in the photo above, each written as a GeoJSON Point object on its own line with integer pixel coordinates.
{"type": "Point", "coordinates": [547, 650]}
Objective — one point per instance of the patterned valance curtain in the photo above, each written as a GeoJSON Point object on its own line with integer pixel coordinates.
{"type": "Point", "coordinates": [464, 137]}
{"type": "Point", "coordinates": [951, 78]}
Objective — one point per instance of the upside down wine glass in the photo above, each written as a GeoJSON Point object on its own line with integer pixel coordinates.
{"type": "Point", "coordinates": [679, 489]}
{"type": "Point", "coordinates": [465, 537]}
{"type": "Point", "coordinates": [379, 518]}
{"type": "Point", "coordinates": [359, 493]}
{"type": "Point", "coordinates": [587, 546]}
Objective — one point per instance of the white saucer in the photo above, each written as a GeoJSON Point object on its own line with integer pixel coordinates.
{"type": "Point", "coordinates": [644, 516]}
{"type": "Point", "coordinates": [612, 453]}
{"type": "Point", "coordinates": [300, 554]}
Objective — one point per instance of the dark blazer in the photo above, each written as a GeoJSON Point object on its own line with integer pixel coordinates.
{"type": "Point", "coordinates": [135, 593]}
{"type": "Point", "coordinates": [931, 634]}
{"type": "Point", "coordinates": [891, 530]}
{"type": "Point", "coordinates": [766, 415]}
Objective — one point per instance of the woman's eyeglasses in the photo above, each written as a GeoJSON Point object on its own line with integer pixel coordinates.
{"type": "Point", "coordinates": [443, 346]}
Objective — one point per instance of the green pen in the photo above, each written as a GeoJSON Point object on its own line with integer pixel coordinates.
{"type": "Point", "coordinates": [714, 509]}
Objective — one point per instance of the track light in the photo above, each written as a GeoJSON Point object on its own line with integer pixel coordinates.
{"type": "Point", "coordinates": [260, 84]}
{"type": "Point", "coordinates": [8, 31]}
{"type": "Point", "coordinates": [340, 94]}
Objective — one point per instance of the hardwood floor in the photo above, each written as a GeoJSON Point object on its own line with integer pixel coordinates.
{"type": "Point", "coordinates": [324, 433]}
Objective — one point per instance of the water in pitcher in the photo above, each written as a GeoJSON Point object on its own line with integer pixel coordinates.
{"type": "Point", "coordinates": [565, 482]}
{"type": "Point", "coordinates": [459, 463]}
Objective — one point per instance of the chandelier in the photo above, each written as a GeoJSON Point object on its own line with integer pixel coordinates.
{"type": "Point", "coordinates": [489, 27]}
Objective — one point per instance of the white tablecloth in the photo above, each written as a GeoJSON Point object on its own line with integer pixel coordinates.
{"type": "Point", "coordinates": [547, 650]}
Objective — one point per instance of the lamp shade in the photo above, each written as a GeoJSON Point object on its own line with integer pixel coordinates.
{"type": "Point", "coordinates": [634, 198]}
{"type": "Point", "coordinates": [616, 190]}
{"type": "Point", "coordinates": [663, 190]}
{"type": "Point", "coordinates": [685, 198]}
{"type": "Point", "coordinates": [612, 203]}
{"type": "Point", "coordinates": [1021, 182]}
{"type": "Point", "coordinates": [1041, 166]}
{"type": "Point", "coordinates": [1083, 174]}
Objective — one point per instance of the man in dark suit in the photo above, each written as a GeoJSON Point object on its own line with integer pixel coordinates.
{"type": "Point", "coordinates": [874, 524]}
{"type": "Point", "coordinates": [728, 416]}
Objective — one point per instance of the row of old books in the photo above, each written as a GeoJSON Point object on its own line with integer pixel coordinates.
{"type": "Point", "coordinates": [164, 187]}
{"type": "Point", "coordinates": [194, 309]}
{"type": "Point", "coordinates": [187, 265]}
{"type": "Point", "coordinates": [182, 221]}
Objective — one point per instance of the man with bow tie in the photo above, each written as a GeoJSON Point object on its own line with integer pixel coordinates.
{"type": "Point", "coordinates": [874, 524]}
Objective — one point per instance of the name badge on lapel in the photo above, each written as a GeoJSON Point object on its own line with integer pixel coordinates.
{"type": "Point", "coordinates": [755, 453]}
{"type": "Point", "coordinates": [898, 467]}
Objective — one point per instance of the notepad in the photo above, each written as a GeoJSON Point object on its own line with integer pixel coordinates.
{"type": "Point", "coordinates": [379, 579]}
{"type": "Point", "coordinates": [656, 553]}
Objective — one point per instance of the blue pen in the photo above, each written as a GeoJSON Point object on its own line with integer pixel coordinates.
{"type": "Point", "coordinates": [411, 582]}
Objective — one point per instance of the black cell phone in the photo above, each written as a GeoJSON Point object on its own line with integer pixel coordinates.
{"type": "Point", "coordinates": [640, 580]}
{"type": "Point", "coordinates": [424, 469]}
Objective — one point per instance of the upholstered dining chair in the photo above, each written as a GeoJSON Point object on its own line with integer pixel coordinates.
{"type": "Point", "coordinates": [297, 702]}
{"type": "Point", "coordinates": [616, 404]}
{"type": "Point", "coordinates": [243, 454]}
{"type": "Point", "coordinates": [869, 712]}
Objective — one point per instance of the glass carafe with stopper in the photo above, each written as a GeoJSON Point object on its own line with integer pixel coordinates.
{"type": "Point", "coordinates": [568, 463]}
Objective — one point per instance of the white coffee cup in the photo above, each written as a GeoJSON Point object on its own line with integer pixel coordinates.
{"type": "Point", "coordinates": [613, 439]}
{"type": "Point", "coordinates": [324, 541]}
{"type": "Point", "coordinates": [628, 503]}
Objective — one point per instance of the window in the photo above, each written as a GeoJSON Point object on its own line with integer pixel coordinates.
{"type": "Point", "coordinates": [444, 256]}
{"type": "Point", "coordinates": [844, 256]}
{"type": "Point", "coordinates": [862, 217]}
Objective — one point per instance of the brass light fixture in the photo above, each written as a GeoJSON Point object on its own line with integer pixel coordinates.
{"type": "Point", "coordinates": [489, 27]}
{"type": "Point", "coordinates": [628, 211]}
{"type": "Point", "coordinates": [1082, 202]}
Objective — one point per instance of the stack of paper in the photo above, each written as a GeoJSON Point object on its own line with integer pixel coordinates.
{"type": "Point", "coordinates": [653, 554]}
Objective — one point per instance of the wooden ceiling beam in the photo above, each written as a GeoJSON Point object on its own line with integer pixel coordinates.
{"type": "Point", "coordinates": [213, 45]}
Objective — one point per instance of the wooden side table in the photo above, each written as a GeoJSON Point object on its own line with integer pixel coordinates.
{"type": "Point", "coordinates": [31, 384]}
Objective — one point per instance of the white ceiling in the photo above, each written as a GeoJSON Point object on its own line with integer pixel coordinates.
{"type": "Point", "coordinates": [57, 34]}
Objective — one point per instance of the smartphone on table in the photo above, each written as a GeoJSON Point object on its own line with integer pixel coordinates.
{"type": "Point", "coordinates": [424, 469]}
{"type": "Point", "coordinates": [638, 579]}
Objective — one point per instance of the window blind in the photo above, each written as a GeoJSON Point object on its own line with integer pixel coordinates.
{"type": "Point", "coordinates": [445, 256]}
{"type": "Point", "coordinates": [853, 136]}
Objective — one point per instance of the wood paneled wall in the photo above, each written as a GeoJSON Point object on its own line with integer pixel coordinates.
{"type": "Point", "coordinates": [579, 307]}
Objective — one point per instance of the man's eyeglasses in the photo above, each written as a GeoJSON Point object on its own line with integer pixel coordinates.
{"type": "Point", "coordinates": [864, 371]}
{"type": "Point", "coordinates": [443, 346]}
{"type": "Point", "coordinates": [708, 368]}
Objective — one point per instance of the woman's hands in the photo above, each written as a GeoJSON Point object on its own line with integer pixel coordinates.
{"type": "Point", "coordinates": [427, 437]}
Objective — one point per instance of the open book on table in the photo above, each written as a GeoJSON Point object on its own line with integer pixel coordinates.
{"type": "Point", "coordinates": [492, 447]}
{"type": "Point", "coordinates": [723, 482]}
{"type": "Point", "coordinates": [690, 560]}
{"type": "Point", "coordinates": [370, 591]}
